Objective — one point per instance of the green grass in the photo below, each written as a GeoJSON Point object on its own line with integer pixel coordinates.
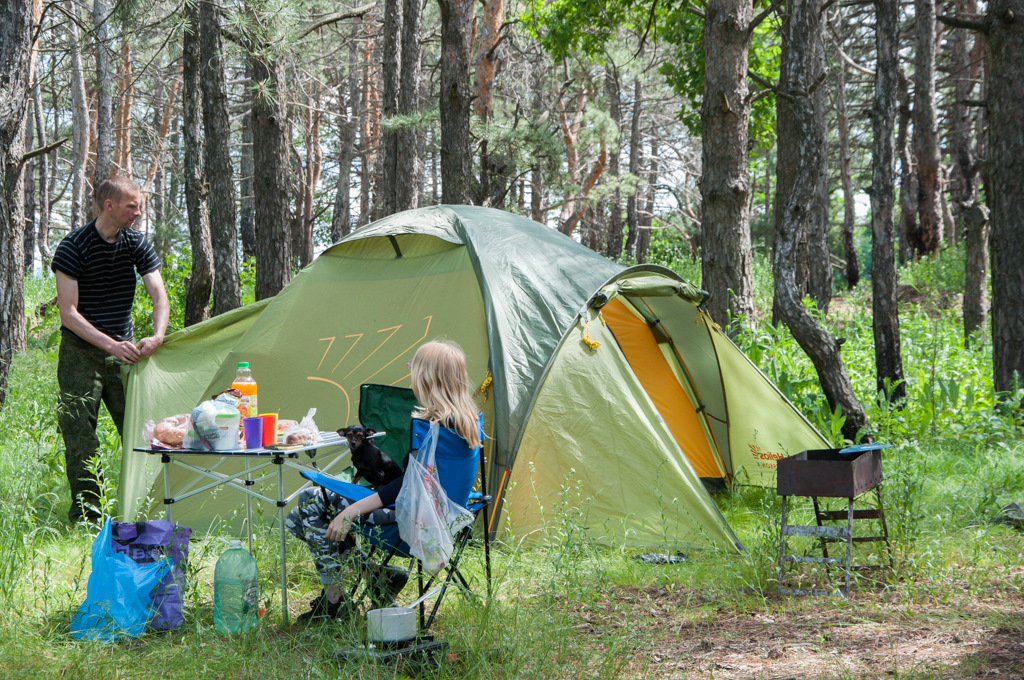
{"type": "Point", "coordinates": [571, 608]}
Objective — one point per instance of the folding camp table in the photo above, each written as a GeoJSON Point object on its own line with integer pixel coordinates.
{"type": "Point", "coordinates": [257, 460]}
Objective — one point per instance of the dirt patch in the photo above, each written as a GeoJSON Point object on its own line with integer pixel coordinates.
{"type": "Point", "coordinates": [867, 637]}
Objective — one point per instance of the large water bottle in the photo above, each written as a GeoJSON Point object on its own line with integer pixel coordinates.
{"type": "Point", "coordinates": [236, 590]}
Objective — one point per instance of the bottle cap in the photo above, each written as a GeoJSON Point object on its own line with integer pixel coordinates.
{"type": "Point", "coordinates": [243, 364]}
{"type": "Point", "coordinates": [234, 544]}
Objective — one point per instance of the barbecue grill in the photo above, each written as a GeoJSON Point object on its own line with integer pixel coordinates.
{"type": "Point", "coordinates": [831, 473]}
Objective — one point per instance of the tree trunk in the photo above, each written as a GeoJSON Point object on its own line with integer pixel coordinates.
{"type": "Point", "coordinates": [271, 137]}
{"type": "Point", "coordinates": [227, 293]}
{"type": "Point", "coordinates": [611, 87]}
{"type": "Point", "coordinates": [199, 284]}
{"type": "Point", "coordinates": [247, 206]}
{"type": "Point", "coordinates": [80, 132]}
{"type": "Point", "coordinates": [391, 57]}
{"type": "Point", "coordinates": [367, 138]}
{"type": "Point", "coordinates": [1004, 49]}
{"type": "Point", "coordinates": [852, 271]}
{"type": "Point", "coordinates": [961, 126]}
{"type": "Point", "coordinates": [43, 222]}
{"type": "Point", "coordinates": [409, 174]}
{"type": "Point", "coordinates": [15, 65]}
{"type": "Point", "coordinates": [643, 239]}
{"type": "Point", "coordinates": [632, 201]}
{"type": "Point", "coordinates": [455, 100]}
{"type": "Point", "coordinates": [885, 318]}
{"type": "Point", "coordinates": [926, 237]}
{"type": "Point", "coordinates": [28, 197]}
{"type": "Point", "coordinates": [800, 152]}
{"type": "Point", "coordinates": [908, 177]}
{"type": "Point", "coordinates": [348, 120]}
{"type": "Point", "coordinates": [104, 95]}
{"type": "Point", "coordinates": [976, 222]}
{"type": "Point", "coordinates": [123, 115]}
{"type": "Point", "coordinates": [725, 184]}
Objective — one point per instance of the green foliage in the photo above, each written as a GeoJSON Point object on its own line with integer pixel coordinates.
{"type": "Point", "coordinates": [943, 273]}
{"type": "Point", "coordinates": [683, 33]}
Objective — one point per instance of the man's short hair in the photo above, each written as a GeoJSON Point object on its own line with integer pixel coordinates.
{"type": "Point", "coordinates": [113, 188]}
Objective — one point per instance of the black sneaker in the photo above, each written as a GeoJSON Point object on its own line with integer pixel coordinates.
{"type": "Point", "coordinates": [389, 583]}
{"type": "Point", "coordinates": [323, 609]}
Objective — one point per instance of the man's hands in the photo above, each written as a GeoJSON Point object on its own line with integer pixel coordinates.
{"type": "Point", "coordinates": [126, 351]}
{"type": "Point", "coordinates": [148, 345]}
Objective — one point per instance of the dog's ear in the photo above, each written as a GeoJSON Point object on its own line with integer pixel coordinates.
{"type": "Point", "coordinates": [369, 432]}
{"type": "Point", "coordinates": [345, 431]}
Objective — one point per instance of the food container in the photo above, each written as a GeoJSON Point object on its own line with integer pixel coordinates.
{"type": "Point", "coordinates": [391, 624]}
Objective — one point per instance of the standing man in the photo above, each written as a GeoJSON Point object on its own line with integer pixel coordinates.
{"type": "Point", "coordinates": [95, 268]}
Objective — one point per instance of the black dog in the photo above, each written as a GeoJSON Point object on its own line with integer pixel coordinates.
{"type": "Point", "coordinates": [369, 461]}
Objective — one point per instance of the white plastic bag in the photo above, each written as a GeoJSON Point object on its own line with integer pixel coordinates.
{"type": "Point", "coordinates": [303, 434]}
{"type": "Point", "coordinates": [427, 519]}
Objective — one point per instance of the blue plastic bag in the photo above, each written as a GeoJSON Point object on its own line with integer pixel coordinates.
{"type": "Point", "coordinates": [119, 596]}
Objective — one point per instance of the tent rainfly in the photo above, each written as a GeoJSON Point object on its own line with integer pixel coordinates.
{"type": "Point", "coordinates": [608, 394]}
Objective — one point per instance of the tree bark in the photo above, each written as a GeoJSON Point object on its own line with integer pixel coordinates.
{"type": "Point", "coordinates": [725, 183]}
{"type": "Point", "coordinates": [976, 221]}
{"type": "Point", "coordinates": [104, 95]}
{"type": "Point", "coordinates": [409, 174]}
{"type": "Point", "coordinates": [635, 142]}
{"type": "Point", "coordinates": [613, 249]}
{"type": "Point", "coordinates": [123, 115]}
{"type": "Point", "coordinates": [227, 292]}
{"type": "Point", "coordinates": [908, 176]}
{"type": "Point", "coordinates": [15, 65]}
{"type": "Point", "coordinates": [348, 120]}
{"type": "Point", "coordinates": [961, 126]}
{"type": "Point", "coordinates": [885, 318]}
{"type": "Point", "coordinates": [271, 138]}
{"type": "Point", "coordinates": [1004, 50]}
{"type": "Point", "coordinates": [643, 239]}
{"type": "Point", "coordinates": [43, 222]}
{"type": "Point", "coordinates": [455, 100]}
{"type": "Point", "coordinates": [80, 130]}
{"type": "Point", "coordinates": [247, 206]}
{"type": "Point", "coordinates": [391, 53]}
{"type": "Point", "coordinates": [800, 150]}
{"type": "Point", "coordinates": [852, 271]}
{"type": "Point", "coordinates": [199, 284]}
{"type": "Point", "coordinates": [926, 237]}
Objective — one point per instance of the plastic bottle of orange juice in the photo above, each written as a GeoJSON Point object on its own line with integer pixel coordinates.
{"type": "Point", "coordinates": [245, 384]}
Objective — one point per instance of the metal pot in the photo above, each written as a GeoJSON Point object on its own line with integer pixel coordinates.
{"type": "Point", "coordinates": [391, 624]}
{"type": "Point", "coordinates": [394, 624]}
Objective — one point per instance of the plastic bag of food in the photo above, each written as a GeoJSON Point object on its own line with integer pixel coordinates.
{"type": "Point", "coordinates": [215, 424]}
{"type": "Point", "coordinates": [305, 433]}
{"type": "Point", "coordinates": [168, 433]}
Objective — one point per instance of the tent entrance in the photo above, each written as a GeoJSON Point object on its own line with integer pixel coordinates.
{"type": "Point", "coordinates": [652, 369]}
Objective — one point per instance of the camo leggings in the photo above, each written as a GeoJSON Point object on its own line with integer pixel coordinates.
{"type": "Point", "coordinates": [308, 522]}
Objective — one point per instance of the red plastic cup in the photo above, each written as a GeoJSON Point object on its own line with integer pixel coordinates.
{"type": "Point", "coordinates": [253, 427]}
{"type": "Point", "coordinates": [269, 428]}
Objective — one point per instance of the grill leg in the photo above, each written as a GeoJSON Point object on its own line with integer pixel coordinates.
{"type": "Point", "coordinates": [782, 542]}
{"type": "Point", "coordinates": [849, 544]}
{"type": "Point", "coordinates": [885, 527]}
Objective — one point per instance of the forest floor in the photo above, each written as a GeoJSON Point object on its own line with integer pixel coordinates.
{"type": "Point", "coordinates": [871, 635]}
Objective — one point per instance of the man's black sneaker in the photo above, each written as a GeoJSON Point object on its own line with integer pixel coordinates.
{"type": "Point", "coordinates": [323, 609]}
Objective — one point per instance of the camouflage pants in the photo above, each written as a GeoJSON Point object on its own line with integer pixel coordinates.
{"type": "Point", "coordinates": [308, 521]}
{"type": "Point", "coordinates": [86, 376]}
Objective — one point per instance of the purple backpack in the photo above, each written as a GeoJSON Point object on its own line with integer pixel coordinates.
{"type": "Point", "coordinates": [151, 541]}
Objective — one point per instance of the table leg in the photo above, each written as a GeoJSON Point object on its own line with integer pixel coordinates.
{"type": "Point", "coordinates": [167, 487]}
{"type": "Point", "coordinates": [248, 510]}
{"type": "Point", "coordinates": [284, 566]}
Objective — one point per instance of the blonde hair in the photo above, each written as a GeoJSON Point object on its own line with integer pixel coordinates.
{"type": "Point", "coordinates": [441, 385]}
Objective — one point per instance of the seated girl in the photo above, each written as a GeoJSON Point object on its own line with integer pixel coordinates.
{"type": "Point", "coordinates": [323, 519]}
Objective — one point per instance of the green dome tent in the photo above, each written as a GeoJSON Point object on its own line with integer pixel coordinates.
{"type": "Point", "coordinates": [607, 393]}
